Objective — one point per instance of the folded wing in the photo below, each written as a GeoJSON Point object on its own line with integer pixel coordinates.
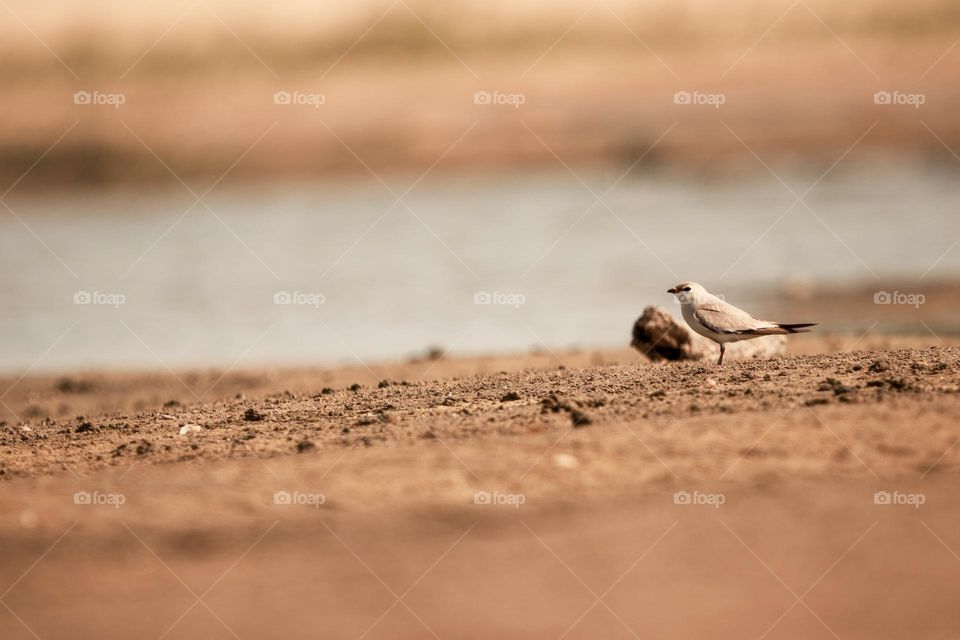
{"type": "Point", "coordinates": [721, 317]}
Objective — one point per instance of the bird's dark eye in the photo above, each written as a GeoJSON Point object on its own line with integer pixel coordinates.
{"type": "Point", "coordinates": [686, 288]}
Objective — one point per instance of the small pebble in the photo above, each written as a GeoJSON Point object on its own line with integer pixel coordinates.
{"type": "Point", "coordinates": [565, 461]}
{"type": "Point", "coordinates": [579, 418]}
{"type": "Point", "coordinates": [305, 445]}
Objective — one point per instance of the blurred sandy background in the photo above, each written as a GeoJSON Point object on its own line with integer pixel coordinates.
{"type": "Point", "coordinates": [399, 78]}
{"type": "Point", "coordinates": [389, 254]}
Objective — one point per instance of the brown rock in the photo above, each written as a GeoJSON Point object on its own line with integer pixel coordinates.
{"type": "Point", "coordinates": [660, 336]}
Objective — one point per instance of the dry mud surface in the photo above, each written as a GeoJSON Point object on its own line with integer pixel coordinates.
{"type": "Point", "coordinates": [491, 498]}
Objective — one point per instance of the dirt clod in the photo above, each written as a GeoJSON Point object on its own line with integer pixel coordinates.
{"type": "Point", "coordinates": [579, 418]}
{"type": "Point", "coordinates": [832, 384]}
{"type": "Point", "coordinates": [879, 366]}
{"type": "Point", "coordinates": [305, 445]}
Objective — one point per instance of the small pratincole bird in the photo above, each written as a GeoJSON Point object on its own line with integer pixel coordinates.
{"type": "Point", "coordinates": [713, 318]}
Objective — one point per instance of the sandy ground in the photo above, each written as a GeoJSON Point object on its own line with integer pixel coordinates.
{"type": "Point", "coordinates": [515, 497]}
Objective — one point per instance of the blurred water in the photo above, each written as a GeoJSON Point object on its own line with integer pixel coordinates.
{"type": "Point", "coordinates": [199, 288]}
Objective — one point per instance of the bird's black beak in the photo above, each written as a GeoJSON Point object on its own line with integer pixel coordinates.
{"type": "Point", "coordinates": [671, 290]}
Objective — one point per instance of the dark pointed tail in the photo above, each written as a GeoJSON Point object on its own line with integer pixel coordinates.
{"type": "Point", "coordinates": [798, 328]}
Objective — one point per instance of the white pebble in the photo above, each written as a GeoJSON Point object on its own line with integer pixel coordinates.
{"type": "Point", "coordinates": [565, 460]}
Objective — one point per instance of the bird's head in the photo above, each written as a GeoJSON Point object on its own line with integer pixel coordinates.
{"type": "Point", "coordinates": [687, 292]}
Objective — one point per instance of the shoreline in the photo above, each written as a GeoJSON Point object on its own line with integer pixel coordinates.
{"type": "Point", "coordinates": [305, 411]}
{"type": "Point", "coordinates": [33, 397]}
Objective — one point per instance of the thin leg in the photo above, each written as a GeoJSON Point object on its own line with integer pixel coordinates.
{"type": "Point", "coordinates": [722, 349]}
